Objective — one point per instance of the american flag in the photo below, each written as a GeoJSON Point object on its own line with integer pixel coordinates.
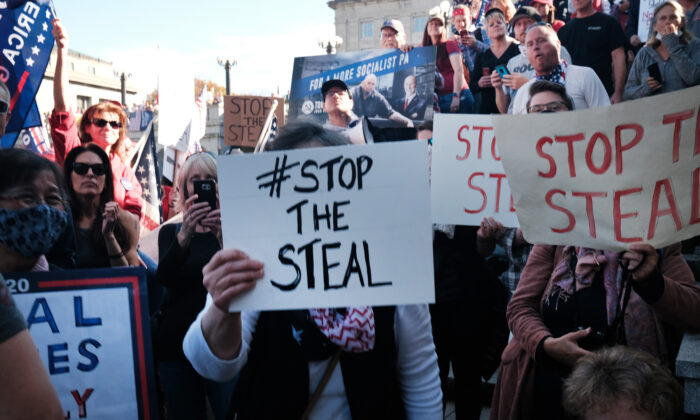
{"type": "Point", "coordinates": [36, 140]}
{"type": "Point", "coordinates": [26, 42]}
{"type": "Point", "coordinates": [146, 171]}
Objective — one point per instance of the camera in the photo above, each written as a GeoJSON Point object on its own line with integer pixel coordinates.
{"type": "Point", "coordinates": [595, 340]}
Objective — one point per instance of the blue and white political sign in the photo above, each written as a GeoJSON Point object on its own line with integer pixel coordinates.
{"type": "Point", "coordinates": [403, 81]}
{"type": "Point", "coordinates": [25, 47]}
{"type": "Point", "coordinates": [91, 328]}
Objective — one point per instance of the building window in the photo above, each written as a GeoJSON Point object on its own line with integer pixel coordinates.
{"type": "Point", "coordinates": [72, 66]}
{"type": "Point", "coordinates": [367, 30]}
{"type": "Point", "coordinates": [419, 23]}
{"type": "Point", "coordinates": [91, 70]}
{"type": "Point", "coordinates": [84, 103]}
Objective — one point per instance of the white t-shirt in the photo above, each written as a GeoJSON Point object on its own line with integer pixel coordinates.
{"type": "Point", "coordinates": [582, 84]}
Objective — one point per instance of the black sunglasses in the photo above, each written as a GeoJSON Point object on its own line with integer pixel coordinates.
{"type": "Point", "coordinates": [4, 106]}
{"type": "Point", "coordinates": [101, 123]}
{"type": "Point", "coordinates": [98, 169]}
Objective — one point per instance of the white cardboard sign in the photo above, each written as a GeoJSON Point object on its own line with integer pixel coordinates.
{"type": "Point", "coordinates": [607, 177]}
{"type": "Point", "coordinates": [468, 182]}
{"type": "Point", "coordinates": [334, 226]}
{"type": "Point", "coordinates": [646, 15]}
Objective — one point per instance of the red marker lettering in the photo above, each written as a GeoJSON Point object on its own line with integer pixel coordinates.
{"type": "Point", "coordinates": [589, 208]}
{"type": "Point", "coordinates": [619, 147]}
{"type": "Point", "coordinates": [677, 119]}
{"type": "Point", "coordinates": [569, 140]}
{"type": "Point", "coordinates": [463, 140]}
{"type": "Point", "coordinates": [483, 193]}
{"type": "Point", "coordinates": [572, 219]}
{"type": "Point", "coordinates": [552, 164]}
{"type": "Point", "coordinates": [481, 137]}
{"type": "Point", "coordinates": [671, 210]}
{"type": "Point", "coordinates": [498, 177]}
{"type": "Point", "coordinates": [618, 215]}
{"type": "Point", "coordinates": [608, 154]}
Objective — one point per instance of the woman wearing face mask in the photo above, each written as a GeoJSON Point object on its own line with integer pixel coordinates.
{"type": "Point", "coordinates": [102, 241]}
{"type": "Point", "coordinates": [184, 249]}
{"type": "Point", "coordinates": [31, 219]}
{"type": "Point", "coordinates": [104, 124]}
{"type": "Point", "coordinates": [672, 49]}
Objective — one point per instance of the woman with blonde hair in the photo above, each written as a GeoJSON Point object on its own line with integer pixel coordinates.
{"type": "Point", "coordinates": [184, 249]}
{"type": "Point", "coordinates": [671, 49]}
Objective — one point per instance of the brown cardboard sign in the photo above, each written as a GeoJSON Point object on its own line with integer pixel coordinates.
{"type": "Point", "coordinates": [244, 118]}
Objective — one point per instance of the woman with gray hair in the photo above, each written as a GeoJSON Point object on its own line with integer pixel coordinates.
{"type": "Point", "coordinates": [670, 60]}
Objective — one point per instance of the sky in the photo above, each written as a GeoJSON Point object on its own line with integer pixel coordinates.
{"type": "Point", "coordinates": [140, 37]}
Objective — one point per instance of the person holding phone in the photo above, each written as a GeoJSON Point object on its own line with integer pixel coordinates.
{"type": "Point", "coordinates": [184, 249]}
{"type": "Point", "coordinates": [502, 49]}
{"type": "Point", "coordinates": [670, 60]}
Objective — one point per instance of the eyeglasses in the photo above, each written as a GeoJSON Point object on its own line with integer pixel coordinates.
{"type": "Point", "coordinates": [99, 122]}
{"type": "Point", "coordinates": [81, 169]}
{"type": "Point", "coordinates": [4, 106]}
{"type": "Point", "coordinates": [555, 106]}
{"type": "Point", "coordinates": [27, 199]}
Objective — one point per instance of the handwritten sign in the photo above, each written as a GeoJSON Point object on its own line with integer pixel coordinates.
{"type": "Point", "coordinates": [244, 118]}
{"type": "Point", "coordinates": [468, 182]}
{"type": "Point", "coordinates": [607, 177]}
{"type": "Point", "coordinates": [646, 15]}
{"type": "Point", "coordinates": [92, 332]}
{"type": "Point", "coordinates": [334, 226]}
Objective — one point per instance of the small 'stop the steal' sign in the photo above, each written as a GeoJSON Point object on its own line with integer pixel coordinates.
{"type": "Point", "coordinates": [334, 226]}
{"type": "Point", "coordinates": [468, 182]}
{"type": "Point", "coordinates": [245, 116]}
{"type": "Point", "coordinates": [607, 177]}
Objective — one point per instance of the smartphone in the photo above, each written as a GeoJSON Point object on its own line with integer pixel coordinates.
{"type": "Point", "coordinates": [485, 71]}
{"type": "Point", "coordinates": [502, 70]}
{"type": "Point", "coordinates": [206, 191]}
{"type": "Point", "coordinates": [655, 72]}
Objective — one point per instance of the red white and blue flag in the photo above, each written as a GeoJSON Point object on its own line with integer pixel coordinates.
{"type": "Point", "coordinates": [146, 171]}
{"type": "Point", "coordinates": [36, 140]}
{"type": "Point", "coordinates": [25, 47]}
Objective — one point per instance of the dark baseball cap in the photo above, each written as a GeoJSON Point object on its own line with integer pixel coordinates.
{"type": "Point", "coordinates": [525, 12]}
{"type": "Point", "coordinates": [327, 85]}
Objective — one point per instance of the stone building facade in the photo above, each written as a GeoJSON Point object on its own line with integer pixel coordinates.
{"type": "Point", "coordinates": [359, 22]}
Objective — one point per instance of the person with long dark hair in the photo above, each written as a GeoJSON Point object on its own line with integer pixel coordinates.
{"type": "Point", "coordinates": [454, 96]}
{"type": "Point", "coordinates": [101, 239]}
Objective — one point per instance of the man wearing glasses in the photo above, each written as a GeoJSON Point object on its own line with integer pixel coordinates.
{"type": "Point", "coordinates": [543, 49]}
{"type": "Point", "coordinates": [392, 34]}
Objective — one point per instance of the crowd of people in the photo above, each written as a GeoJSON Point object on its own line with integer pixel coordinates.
{"type": "Point", "coordinates": [582, 321]}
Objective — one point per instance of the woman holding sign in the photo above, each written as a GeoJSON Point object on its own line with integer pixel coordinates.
{"type": "Point", "coordinates": [359, 362]}
{"type": "Point", "coordinates": [184, 249]}
{"type": "Point", "coordinates": [671, 58]}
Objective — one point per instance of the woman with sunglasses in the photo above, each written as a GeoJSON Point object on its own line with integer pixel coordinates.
{"type": "Point", "coordinates": [104, 124]}
{"type": "Point", "coordinates": [101, 239]}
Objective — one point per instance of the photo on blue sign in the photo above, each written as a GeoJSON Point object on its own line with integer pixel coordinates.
{"type": "Point", "coordinates": [388, 88]}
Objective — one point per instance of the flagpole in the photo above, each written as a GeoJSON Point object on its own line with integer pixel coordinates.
{"type": "Point", "coordinates": [262, 140]}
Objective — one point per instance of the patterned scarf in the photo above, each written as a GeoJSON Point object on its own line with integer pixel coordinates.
{"type": "Point", "coordinates": [352, 332]}
{"type": "Point", "coordinates": [558, 75]}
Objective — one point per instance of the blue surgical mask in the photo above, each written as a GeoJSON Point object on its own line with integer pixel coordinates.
{"type": "Point", "coordinates": [32, 231]}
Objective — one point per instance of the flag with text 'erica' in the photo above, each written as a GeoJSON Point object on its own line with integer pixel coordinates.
{"type": "Point", "coordinates": [25, 47]}
{"type": "Point", "coordinates": [146, 171]}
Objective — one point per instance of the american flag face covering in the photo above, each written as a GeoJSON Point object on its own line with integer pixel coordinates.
{"type": "Point", "coordinates": [352, 332]}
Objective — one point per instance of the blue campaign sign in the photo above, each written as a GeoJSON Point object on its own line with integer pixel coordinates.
{"type": "Point", "coordinates": [91, 328]}
{"type": "Point", "coordinates": [25, 47]}
{"type": "Point", "coordinates": [404, 81]}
